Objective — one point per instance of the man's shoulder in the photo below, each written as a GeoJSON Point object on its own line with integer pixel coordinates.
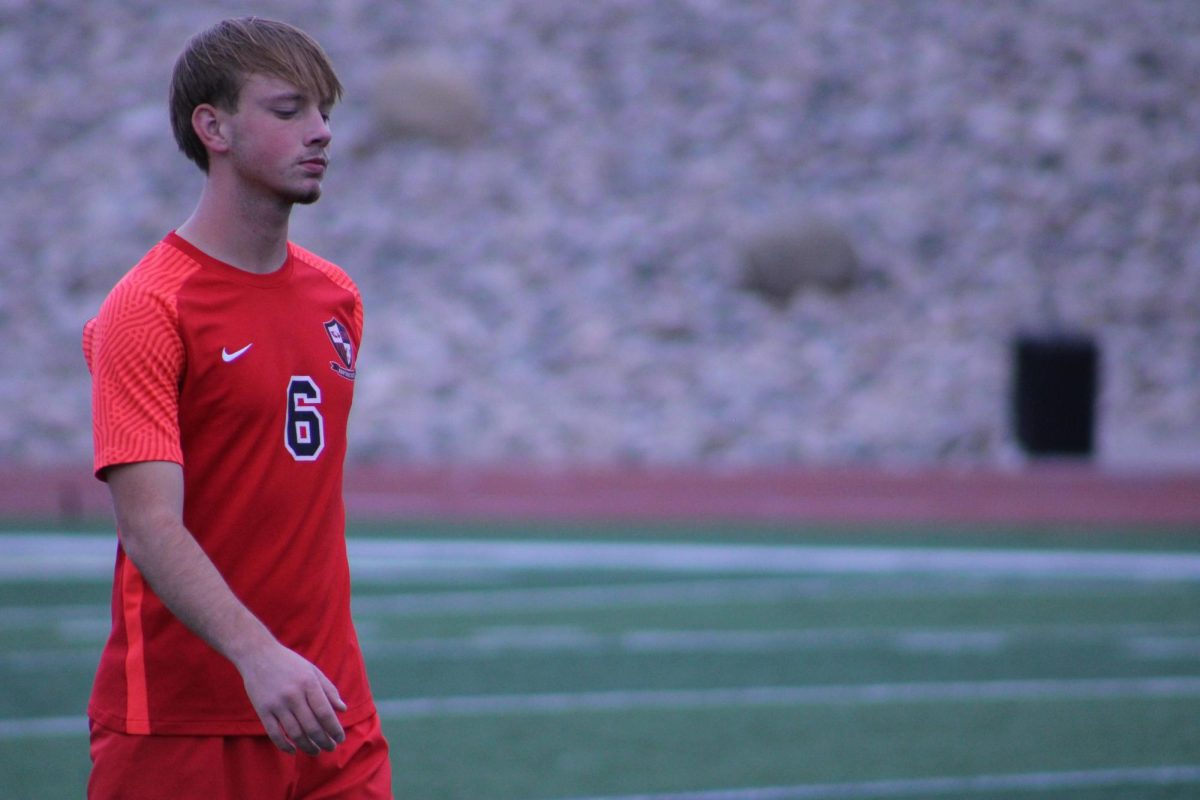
{"type": "Point", "coordinates": [330, 270]}
{"type": "Point", "coordinates": [157, 275]}
{"type": "Point", "coordinates": [141, 310]}
{"type": "Point", "coordinates": [321, 264]}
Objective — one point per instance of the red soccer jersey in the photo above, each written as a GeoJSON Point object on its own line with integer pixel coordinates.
{"type": "Point", "coordinates": [246, 381]}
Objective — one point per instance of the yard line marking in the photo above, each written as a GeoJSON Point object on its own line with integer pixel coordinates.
{"type": "Point", "coordinates": [492, 642]}
{"type": "Point", "coordinates": [40, 661]}
{"type": "Point", "coordinates": [22, 617]}
{"type": "Point", "coordinates": [683, 699]}
{"type": "Point", "coordinates": [57, 556]}
{"type": "Point", "coordinates": [632, 595]}
{"type": "Point", "coordinates": [851, 694]}
{"type": "Point", "coordinates": [1164, 647]}
{"type": "Point", "coordinates": [720, 591]}
{"type": "Point", "coordinates": [42, 727]}
{"type": "Point", "coordinates": [923, 787]}
{"type": "Point", "coordinates": [617, 595]}
{"type": "Point", "coordinates": [1144, 640]}
{"type": "Point", "coordinates": [782, 559]}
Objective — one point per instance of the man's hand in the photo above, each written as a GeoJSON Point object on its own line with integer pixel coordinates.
{"type": "Point", "coordinates": [294, 700]}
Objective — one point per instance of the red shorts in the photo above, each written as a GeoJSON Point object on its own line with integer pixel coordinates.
{"type": "Point", "coordinates": [237, 767]}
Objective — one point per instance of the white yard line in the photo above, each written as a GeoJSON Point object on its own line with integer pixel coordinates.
{"type": "Point", "coordinates": [14, 618]}
{"type": "Point", "coordinates": [1168, 640]}
{"type": "Point", "coordinates": [380, 555]}
{"type": "Point", "coordinates": [42, 727]}
{"type": "Point", "coordinates": [720, 591]}
{"type": "Point", "coordinates": [1157, 641]}
{"type": "Point", "coordinates": [959, 786]}
{"type": "Point", "coordinates": [777, 696]}
{"type": "Point", "coordinates": [49, 556]}
{"type": "Point", "coordinates": [56, 556]}
{"type": "Point", "coordinates": [709, 591]}
{"type": "Point", "coordinates": [1095, 689]}
{"type": "Point", "coordinates": [87, 620]}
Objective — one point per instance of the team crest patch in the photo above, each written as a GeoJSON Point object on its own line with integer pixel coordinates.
{"type": "Point", "coordinates": [339, 337]}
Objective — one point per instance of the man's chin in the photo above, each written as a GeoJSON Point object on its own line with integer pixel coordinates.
{"type": "Point", "coordinates": [307, 198]}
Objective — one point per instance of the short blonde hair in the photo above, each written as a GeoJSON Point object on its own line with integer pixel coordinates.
{"type": "Point", "coordinates": [216, 63]}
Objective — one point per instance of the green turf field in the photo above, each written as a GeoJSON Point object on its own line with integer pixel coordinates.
{"type": "Point", "coordinates": [713, 662]}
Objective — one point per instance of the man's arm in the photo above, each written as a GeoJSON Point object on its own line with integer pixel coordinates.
{"type": "Point", "coordinates": [294, 700]}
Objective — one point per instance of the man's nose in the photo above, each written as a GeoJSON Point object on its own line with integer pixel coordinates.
{"type": "Point", "coordinates": [320, 133]}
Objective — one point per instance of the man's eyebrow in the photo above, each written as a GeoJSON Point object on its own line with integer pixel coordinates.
{"type": "Point", "coordinates": [296, 97]}
{"type": "Point", "coordinates": [284, 97]}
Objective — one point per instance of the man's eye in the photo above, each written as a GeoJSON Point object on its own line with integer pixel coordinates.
{"type": "Point", "coordinates": [285, 113]}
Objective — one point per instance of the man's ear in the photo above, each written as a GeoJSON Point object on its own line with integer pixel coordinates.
{"type": "Point", "coordinates": [211, 126]}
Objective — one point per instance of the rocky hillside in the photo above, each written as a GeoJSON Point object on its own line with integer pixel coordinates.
{"type": "Point", "coordinates": [554, 211]}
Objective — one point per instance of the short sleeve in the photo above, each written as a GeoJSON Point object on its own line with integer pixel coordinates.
{"type": "Point", "coordinates": [136, 356]}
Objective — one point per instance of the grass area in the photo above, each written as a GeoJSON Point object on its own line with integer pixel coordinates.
{"type": "Point", "coordinates": [530, 682]}
{"type": "Point", "coordinates": [655, 751]}
{"type": "Point", "coordinates": [1158, 537]}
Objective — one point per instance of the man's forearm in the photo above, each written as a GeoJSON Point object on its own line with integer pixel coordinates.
{"type": "Point", "coordinates": [148, 499]}
{"type": "Point", "coordinates": [187, 582]}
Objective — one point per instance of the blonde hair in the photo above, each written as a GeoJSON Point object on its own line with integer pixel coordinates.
{"type": "Point", "coordinates": [216, 63]}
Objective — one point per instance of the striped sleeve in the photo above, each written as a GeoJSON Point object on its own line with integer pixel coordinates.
{"type": "Point", "coordinates": [136, 356]}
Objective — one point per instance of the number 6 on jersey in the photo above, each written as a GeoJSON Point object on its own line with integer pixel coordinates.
{"type": "Point", "coordinates": [304, 433]}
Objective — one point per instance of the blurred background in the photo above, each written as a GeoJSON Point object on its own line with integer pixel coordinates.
{"type": "Point", "coordinates": [666, 233]}
{"type": "Point", "coordinates": [874, 326]}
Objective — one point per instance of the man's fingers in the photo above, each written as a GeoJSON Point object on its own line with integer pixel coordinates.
{"type": "Point", "coordinates": [277, 735]}
{"type": "Point", "coordinates": [335, 698]}
{"type": "Point", "coordinates": [295, 733]}
{"type": "Point", "coordinates": [312, 729]}
{"type": "Point", "coordinates": [321, 707]}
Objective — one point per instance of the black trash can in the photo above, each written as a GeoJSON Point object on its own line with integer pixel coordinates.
{"type": "Point", "coordinates": [1056, 378]}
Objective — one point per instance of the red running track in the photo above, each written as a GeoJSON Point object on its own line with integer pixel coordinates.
{"type": "Point", "coordinates": [1051, 493]}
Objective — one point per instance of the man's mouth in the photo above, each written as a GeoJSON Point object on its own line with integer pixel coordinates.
{"type": "Point", "coordinates": [315, 164]}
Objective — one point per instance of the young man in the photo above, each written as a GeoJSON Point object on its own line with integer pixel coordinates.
{"type": "Point", "coordinates": [223, 368]}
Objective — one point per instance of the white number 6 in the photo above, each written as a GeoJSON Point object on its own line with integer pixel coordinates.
{"type": "Point", "coordinates": [304, 433]}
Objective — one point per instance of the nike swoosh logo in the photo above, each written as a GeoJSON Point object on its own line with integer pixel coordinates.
{"type": "Point", "coordinates": [227, 356]}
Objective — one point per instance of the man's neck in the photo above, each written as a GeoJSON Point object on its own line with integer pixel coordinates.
{"type": "Point", "coordinates": [251, 236]}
